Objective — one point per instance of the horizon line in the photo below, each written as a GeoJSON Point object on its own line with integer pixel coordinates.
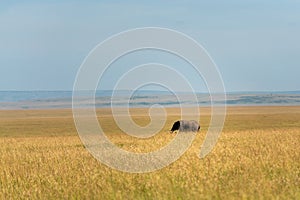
{"type": "Point", "coordinates": [109, 90]}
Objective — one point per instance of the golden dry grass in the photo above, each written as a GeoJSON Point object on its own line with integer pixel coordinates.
{"type": "Point", "coordinates": [256, 157]}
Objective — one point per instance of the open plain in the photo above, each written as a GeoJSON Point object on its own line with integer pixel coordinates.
{"type": "Point", "coordinates": [257, 157]}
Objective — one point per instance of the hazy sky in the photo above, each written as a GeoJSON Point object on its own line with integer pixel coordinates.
{"type": "Point", "coordinates": [255, 44]}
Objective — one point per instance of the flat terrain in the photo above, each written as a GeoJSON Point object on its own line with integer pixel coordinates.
{"type": "Point", "coordinates": [257, 157]}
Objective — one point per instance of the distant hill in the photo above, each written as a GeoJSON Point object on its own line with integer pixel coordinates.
{"type": "Point", "coordinates": [141, 98]}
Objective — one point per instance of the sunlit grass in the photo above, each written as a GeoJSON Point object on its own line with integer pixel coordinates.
{"type": "Point", "coordinates": [257, 156]}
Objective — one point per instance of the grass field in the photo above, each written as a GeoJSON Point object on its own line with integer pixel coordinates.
{"type": "Point", "coordinates": [256, 157]}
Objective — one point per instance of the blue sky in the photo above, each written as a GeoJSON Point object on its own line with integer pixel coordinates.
{"type": "Point", "coordinates": [255, 44]}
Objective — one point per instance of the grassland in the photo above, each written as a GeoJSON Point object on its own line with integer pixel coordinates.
{"type": "Point", "coordinates": [256, 157]}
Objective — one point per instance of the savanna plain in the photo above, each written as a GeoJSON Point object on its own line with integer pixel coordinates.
{"type": "Point", "coordinates": [257, 157]}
